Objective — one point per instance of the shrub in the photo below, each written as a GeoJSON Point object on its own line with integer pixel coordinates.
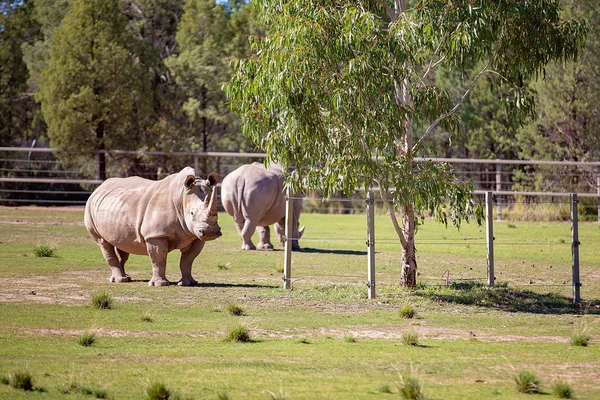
{"type": "Point", "coordinates": [527, 382]}
{"type": "Point", "coordinates": [44, 250]}
{"type": "Point", "coordinates": [234, 309]}
{"type": "Point", "coordinates": [407, 311]}
{"type": "Point", "coordinates": [87, 339]}
{"type": "Point", "coordinates": [102, 300]}
{"type": "Point", "coordinates": [410, 338]}
{"type": "Point", "coordinates": [562, 390]}
{"type": "Point", "coordinates": [158, 391]}
{"type": "Point", "coordinates": [239, 334]}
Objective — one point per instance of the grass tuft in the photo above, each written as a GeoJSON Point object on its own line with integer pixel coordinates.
{"type": "Point", "coordinates": [234, 309]}
{"type": "Point", "coordinates": [409, 387]}
{"type": "Point", "coordinates": [44, 250]}
{"type": "Point", "coordinates": [350, 339]}
{"type": "Point", "coordinates": [222, 396]}
{"type": "Point", "coordinates": [279, 270]}
{"type": "Point", "coordinates": [222, 266]}
{"type": "Point", "coordinates": [75, 388]}
{"type": "Point", "coordinates": [21, 380]}
{"type": "Point", "coordinates": [87, 339]}
{"type": "Point", "coordinates": [240, 334]}
{"type": "Point", "coordinates": [410, 338]}
{"type": "Point", "coordinates": [407, 312]}
{"type": "Point", "coordinates": [580, 339]}
{"type": "Point", "coordinates": [527, 382]}
{"type": "Point", "coordinates": [102, 300]}
{"type": "Point", "coordinates": [146, 317]}
{"type": "Point", "coordinates": [278, 396]}
{"type": "Point", "coordinates": [158, 391]}
{"type": "Point", "coordinates": [303, 341]}
{"type": "Point", "coordinates": [562, 390]}
{"type": "Point", "coordinates": [384, 389]}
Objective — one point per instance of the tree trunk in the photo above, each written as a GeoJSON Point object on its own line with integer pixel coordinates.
{"type": "Point", "coordinates": [100, 157]}
{"type": "Point", "coordinates": [408, 262]}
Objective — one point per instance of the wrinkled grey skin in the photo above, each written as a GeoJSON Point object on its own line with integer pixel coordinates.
{"type": "Point", "coordinates": [139, 216]}
{"type": "Point", "coordinates": [254, 196]}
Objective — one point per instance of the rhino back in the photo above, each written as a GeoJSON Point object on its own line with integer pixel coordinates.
{"type": "Point", "coordinates": [255, 193]}
{"type": "Point", "coordinates": [128, 211]}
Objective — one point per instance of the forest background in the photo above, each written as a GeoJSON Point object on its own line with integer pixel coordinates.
{"type": "Point", "coordinates": [148, 75]}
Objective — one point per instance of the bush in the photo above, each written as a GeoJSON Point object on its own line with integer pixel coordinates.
{"type": "Point", "coordinates": [44, 250]}
{"type": "Point", "coordinates": [527, 382]}
{"type": "Point", "coordinates": [239, 334]}
{"type": "Point", "coordinates": [102, 300]}
{"type": "Point", "coordinates": [410, 338]}
{"type": "Point", "coordinates": [158, 391]}
{"type": "Point", "coordinates": [87, 339]}
{"type": "Point", "coordinates": [562, 390]}
{"type": "Point", "coordinates": [407, 311]}
{"type": "Point", "coordinates": [233, 309]}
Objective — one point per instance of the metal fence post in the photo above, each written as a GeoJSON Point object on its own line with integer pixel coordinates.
{"type": "Point", "coordinates": [371, 244]}
{"type": "Point", "coordinates": [598, 190]}
{"type": "Point", "coordinates": [575, 248]}
{"type": "Point", "coordinates": [489, 237]}
{"type": "Point", "coordinates": [287, 254]}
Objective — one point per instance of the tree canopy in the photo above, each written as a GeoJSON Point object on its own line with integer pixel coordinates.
{"type": "Point", "coordinates": [339, 88]}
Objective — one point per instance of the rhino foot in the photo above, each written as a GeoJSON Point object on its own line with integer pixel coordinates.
{"type": "Point", "coordinates": [248, 247]}
{"type": "Point", "coordinates": [265, 246]}
{"type": "Point", "coordinates": [191, 282]}
{"type": "Point", "coordinates": [119, 279]}
{"type": "Point", "coordinates": [158, 282]}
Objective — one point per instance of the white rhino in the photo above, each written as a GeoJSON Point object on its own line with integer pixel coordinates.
{"type": "Point", "coordinates": [254, 196]}
{"type": "Point", "coordinates": [139, 216]}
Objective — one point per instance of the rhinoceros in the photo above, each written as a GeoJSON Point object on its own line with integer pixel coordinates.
{"type": "Point", "coordinates": [254, 196]}
{"type": "Point", "coordinates": [140, 216]}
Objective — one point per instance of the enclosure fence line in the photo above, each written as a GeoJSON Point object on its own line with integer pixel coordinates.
{"type": "Point", "coordinates": [489, 220]}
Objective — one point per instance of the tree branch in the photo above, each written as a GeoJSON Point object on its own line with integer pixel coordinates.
{"type": "Point", "coordinates": [453, 110]}
{"type": "Point", "coordinates": [388, 9]}
{"type": "Point", "coordinates": [390, 208]}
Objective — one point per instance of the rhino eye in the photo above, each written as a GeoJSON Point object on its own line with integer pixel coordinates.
{"type": "Point", "coordinates": [191, 212]}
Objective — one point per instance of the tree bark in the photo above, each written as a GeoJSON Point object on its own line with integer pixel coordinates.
{"type": "Point", "coordinates": [100, 157]}
{"type": "Point", "coordinates": [408, 276]}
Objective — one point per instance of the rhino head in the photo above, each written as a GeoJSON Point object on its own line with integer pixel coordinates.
{"type": "Point", "coordinates": [297, 232]}
{"type": "Point", "coordinates": [200, 207]}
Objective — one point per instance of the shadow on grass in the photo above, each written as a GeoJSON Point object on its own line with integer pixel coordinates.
{"type": "Point", "coordinates": [217, 285]}
{"type": "Point", "coordinates": [505, 298]}
{"type": "Point", "coordinates": [311, 250]}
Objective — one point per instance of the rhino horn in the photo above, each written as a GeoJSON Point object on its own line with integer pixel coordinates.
{"type": "Point", "coordinates": [212, 206]}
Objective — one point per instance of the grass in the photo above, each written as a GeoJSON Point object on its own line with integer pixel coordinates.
{"type": "Point", "coordinates": [102, 300]}
{"type": "Point", "coordinates": [44, 250]}
{"type": "Point", "coordinates": [407, 312]}
{"type": "Point", "coordinates": [76, 388]}
{"type": "Point", "coordinates": [562, 390]}
{"type": "Point", "coordinates": [527, 382]}
{"type": "Point", "coordinates": [409, 386]}
{"type": "Point", "coordinates": [20, 380]}
{"type": "Point", "coordinates": [301, 332]}
{"type": "Point", "coordinates": [580, 339]}
{"type": "Point", "coordinates": [350, 339]}
{"type": "Point", "coordinates": [234, 309]}
{"type": "Point", "coordinates": [410, 338]}
{"type": "Point", "coordinates": [146, 317]}
{"type": "Point", "coordinates": [239, 333]}
{"type": "Point", "coordinates": [87, 339]}
{"type": "Point", "coordinates": [158, 391]}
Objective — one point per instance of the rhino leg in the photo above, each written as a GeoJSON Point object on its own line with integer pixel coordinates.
{"type": "Point", "coordinates": [114, 261]}
{"type": "Point", "coordinates": [188, 255]}
{"type": "Point", "coordinates": [158, 250]}
{"type": "Point", "coordinates": [246, 232]}
{"type": "Point", "coordinates": [265, 238]}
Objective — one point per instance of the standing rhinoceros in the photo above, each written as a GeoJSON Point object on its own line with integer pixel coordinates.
{"type": "Point", "coordinates": [254, 196]}
{"type": "Point", "coordinates": [139, 216]}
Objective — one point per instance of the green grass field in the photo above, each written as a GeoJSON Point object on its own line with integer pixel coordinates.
{"type": "Point", "coordinates": [321, 340]}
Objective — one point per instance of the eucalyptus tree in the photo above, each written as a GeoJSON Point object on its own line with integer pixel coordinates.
{"type": "Point", "coordinates": [337, 87]}
{"type": "Point", "coordinates": [94, 88]}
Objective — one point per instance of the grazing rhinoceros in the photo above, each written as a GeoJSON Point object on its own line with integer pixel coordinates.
{"type": "Point", "coordinates": [139, 216]}
{"type": "Point", "coordinates": [254, 196]}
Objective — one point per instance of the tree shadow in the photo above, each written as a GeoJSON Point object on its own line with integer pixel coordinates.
{"type": "Point", "coordinates": [311, 250]}
{"type": "Point", "coordinates": [505, 298]}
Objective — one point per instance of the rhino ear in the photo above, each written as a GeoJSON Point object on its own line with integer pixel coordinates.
{"type": "Point", "coordinates": [213, 178]}
{"type": "Point", "coordinates": [189, 181]}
